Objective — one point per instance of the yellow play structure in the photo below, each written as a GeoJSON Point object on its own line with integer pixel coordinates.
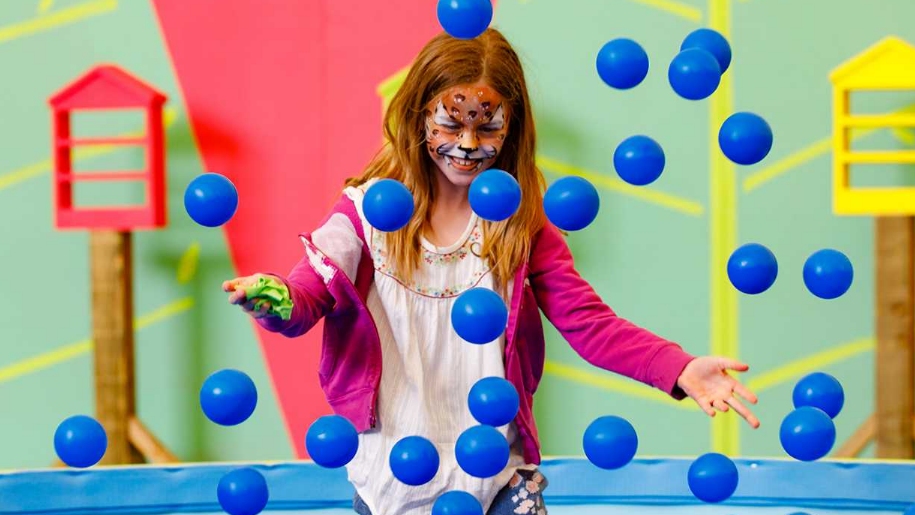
{"type": "Point", "coordinates": [889, 65]}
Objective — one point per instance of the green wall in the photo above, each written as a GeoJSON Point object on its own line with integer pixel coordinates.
{"type": "Point", "coordinates": [649, 261]}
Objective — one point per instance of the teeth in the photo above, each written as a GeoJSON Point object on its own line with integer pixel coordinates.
{"type": "Point", "coordinates": [463, 162]}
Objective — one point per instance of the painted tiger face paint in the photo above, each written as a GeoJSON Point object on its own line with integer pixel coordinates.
{"type": "Point", "coordinates": [465, 129]}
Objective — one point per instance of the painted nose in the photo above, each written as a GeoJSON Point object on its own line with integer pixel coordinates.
{"type": "Point", "coordinates": [469, 142]}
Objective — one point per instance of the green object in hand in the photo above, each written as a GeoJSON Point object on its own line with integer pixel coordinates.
{"type": "Point", "coordinates": [268, 289]}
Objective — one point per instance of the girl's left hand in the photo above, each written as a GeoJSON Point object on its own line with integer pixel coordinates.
{"type": "Point", "coordinates": [707, 382]}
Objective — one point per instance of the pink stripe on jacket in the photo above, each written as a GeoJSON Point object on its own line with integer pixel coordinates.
{"type": "Point", "coordinates": [350, 365]}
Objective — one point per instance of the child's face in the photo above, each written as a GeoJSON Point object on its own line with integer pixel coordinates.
{"type": "Point", "coordinates": [465, 128]}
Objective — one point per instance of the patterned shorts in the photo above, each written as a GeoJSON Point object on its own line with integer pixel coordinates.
{"type": "Point", "coordinates": [523, 495]}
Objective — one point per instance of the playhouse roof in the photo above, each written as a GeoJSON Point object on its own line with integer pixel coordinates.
{"type": "Point", "coordinates": [887, 64]}
{"type": "Point", "coordinates": [106, 86]}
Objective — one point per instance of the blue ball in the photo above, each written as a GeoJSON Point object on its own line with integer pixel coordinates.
{"type": "Point", "coordinates": [243, 491]}
{"type": "Point", "coordinates": [211, 199]}
{"type": "Point", "coordinates": [482, 451]}
{"type": "Point", "coordinates": [712, 42]}
{"type": "Point", "coordinates": [819, 390]}
{"type": "Point", "coordinates": [493, 401]}
{"type": "Point", "coordinates": [464, 19]}
{"type": "Point", "coordinates": [828, 274]}
{"type": "Point", "coordinates": [479, 315]}
{"type": "Point", "coordinates": [571, 203]}
{"type": "Point", "coordinates": [457, 502]}
{"type": "Point", "coordinates": [388, 205]}
{"type": "Point", "coordinates": [639, 160]}
{"type": "Point", "coordinates": [494, 195]}
{"type": "Point", "coordinates": [228, 397]}
{"type": "Point", "coordinates": [745, 138]}
{"type": "Point", "coordinates": [80, 441]}
{"type": "Point", "coordinates": [332, 441]}
{"type": "Point", "coordinates": [622, 63]}
{"type": "Point", "coordinates": [712, 477]}
{"type": "Point", "coordinates": [694, 74]}
{"type": "Point", "coordinates": [910, 510]}
{"type": "Point", "coordinates": [752, 268]}
{"type": "Point", "coordinates": [610, 442]}
{"type": "Point", "coordinates": [807, 433]}
{"type": "Point", "coordinates": [414, 460]}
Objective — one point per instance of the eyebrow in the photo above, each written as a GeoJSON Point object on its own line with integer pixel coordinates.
{"type": "Point", "coordinates": [441, 116]}
{"type": "Point", "coordinates": [498, 119]}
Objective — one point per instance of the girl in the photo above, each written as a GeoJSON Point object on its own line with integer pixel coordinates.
{"type": "Point", "coordinates": [391, 362]}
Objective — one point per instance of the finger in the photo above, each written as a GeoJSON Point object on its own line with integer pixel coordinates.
{"type": "Point", "coordinates": [233, 284]}
{"type": "Point", "coordinates": [249, 306]}
{"type": "Point", "coordinates": [720, 405]}
{"type": "Point", "coordinates": [745, 392]}
{"type": "Point", "coordinates": [706, 407]}
{"type": "Point", "coordinates": [238, 297]}
{"type": "Point", "coordinates": [733, 364]}
{"type": "Point", "coordinates": [744, 412]}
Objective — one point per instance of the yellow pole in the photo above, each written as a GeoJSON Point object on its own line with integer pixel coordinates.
{"type": "Point", "coordinates": [725, 434]}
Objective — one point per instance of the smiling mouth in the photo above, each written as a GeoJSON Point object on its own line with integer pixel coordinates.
{"type": "Point", "coordinates": [463, 165]}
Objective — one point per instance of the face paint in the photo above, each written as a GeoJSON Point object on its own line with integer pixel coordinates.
{"type": "Point", "coordinates": [465, 129]}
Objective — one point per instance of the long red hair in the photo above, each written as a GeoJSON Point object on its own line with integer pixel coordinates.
{"type": "Point", "coordinates": [443, 63]}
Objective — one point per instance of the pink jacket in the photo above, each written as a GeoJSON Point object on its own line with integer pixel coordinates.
{"type": "Point", "coordinates": [350, 364]}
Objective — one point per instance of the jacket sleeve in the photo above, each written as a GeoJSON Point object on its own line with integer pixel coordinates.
{"type": "Point", "coordinates": [338, 240]}
{"type": "Point", "coordinates": [310, 297]}
{"type": "Point", "coordinates": [591, 327]}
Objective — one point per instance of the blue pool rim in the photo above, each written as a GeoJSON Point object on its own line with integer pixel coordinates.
{"type": "Point", "coordinates": [298, 485]}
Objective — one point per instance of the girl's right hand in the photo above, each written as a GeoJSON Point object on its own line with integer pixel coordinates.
{"type": "Point", "coordinates": [237, 288]}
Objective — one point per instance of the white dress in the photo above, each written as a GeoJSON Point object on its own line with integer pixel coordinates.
{"type": "Point", "coordinates": [428, 369]}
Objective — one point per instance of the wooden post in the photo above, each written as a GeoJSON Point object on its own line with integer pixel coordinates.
{"type": "Point", "coordinates": [111, 265]}
{"type": "Point", "coordinates": [112, 334]}
{"type": "Point", "coordinates": [895, 325]}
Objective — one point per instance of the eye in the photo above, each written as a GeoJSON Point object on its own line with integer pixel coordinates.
{"type": "Point", "coordinates": [487, 129]}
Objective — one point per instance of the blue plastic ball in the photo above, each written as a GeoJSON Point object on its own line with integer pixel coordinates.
{"type": "Point", "coordinates": [332, 441]}
{"type": "Point", "coordinates": [388, 205]}
{"type": "Point", "coordinates": [752, 268]}
{"type": "Point", "coordinates": [745, 138]}
{"type": "Point", "coordinates": [493, 401]}
{"type": "Point", "coordinates": [807, 433]}
{"type": "Point", "coordinates": [414, 460]}
{"type": "Point", "coordinates": [457, 502]}
{"type": "Point", "coordinates": [80, 441]}
{"type": "Point", "coordinates": [479, 315]}
{"type": "Point", "coordinates": [464, 19]}
{"type": "Point", "coordinates": [712, 42]}
{"type": "Point", "coordinates": [910, 510]}
{"type": "Point", "coordinates": [494, 195]}
{"type": "Point", "coordinates": [211, 199]}
{"type": "Point", "coordinates": [243, 491]}
{"type": "Point", "coordinates": [571, 203]}
{"type": "Point", "coordinates": [482, 451]}
{"type": "Point", "coordinates": [694, 74]}
{"type": "Point", "coordinates": [622, 63]}
{"type": "Point", "coordinates": [639, 160]}
{"type": "Point", "coordinates": [828, 273]}
{"type": "Point", "coordinates": [228, 397]}
{"type": "Point", "coordinates": [610, 442]}
{"type": "Point", "coordinates": [819, 390]}
{"type": "Point", "coordinates": [713, 477]}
